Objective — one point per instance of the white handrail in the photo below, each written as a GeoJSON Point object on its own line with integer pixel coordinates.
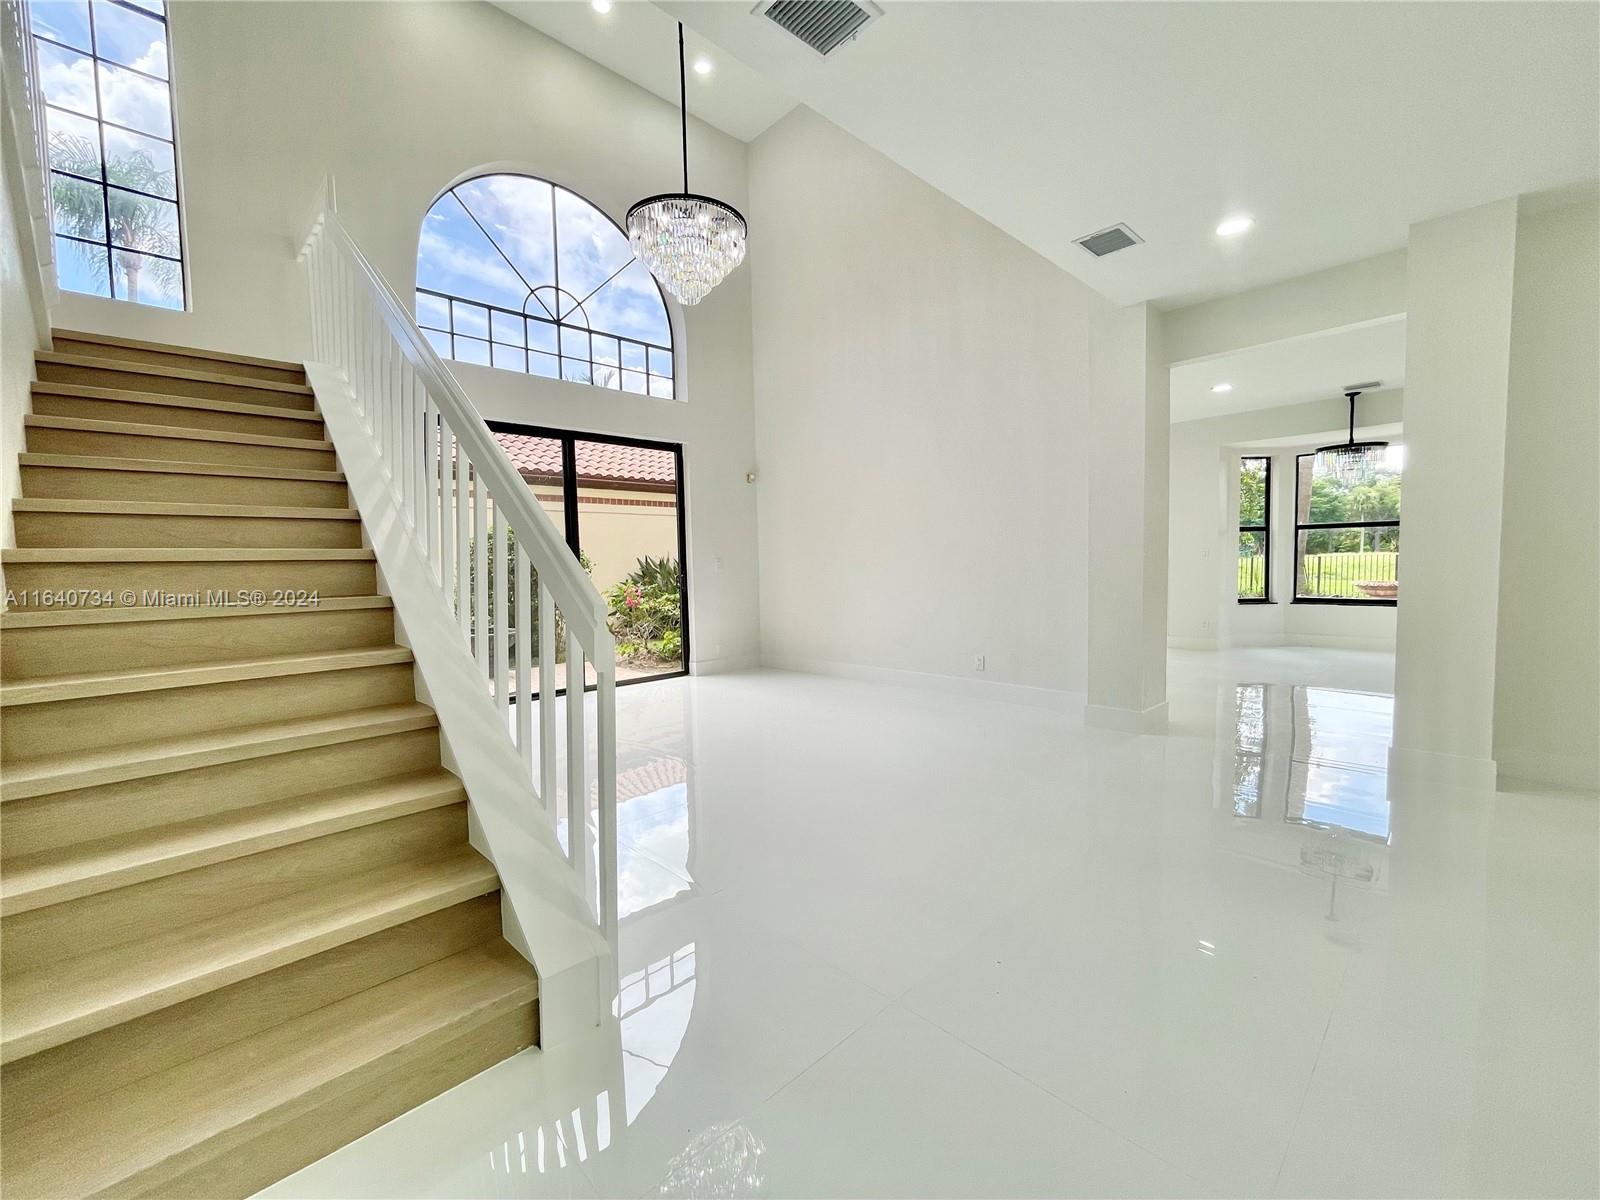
{"type": "Point", "coordinates": [461, 497]}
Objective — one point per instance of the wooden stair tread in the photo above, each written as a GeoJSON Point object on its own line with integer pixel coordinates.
{"type": "Point", "coordinates": [150, 1130]}
{"type": "Point", "coordinates": [72, 997]}
{"type": "Point", "coordinates": [142, 760]}
{"type": "Point", "coordinates": [168, 466]}
{"type": "Point", "coordinates": [50, 618]}
{"type": "Point", "coordinates": [85, 391]}
{"type": "Point", "coordinates": [52, 876]}
{"type": "Point", "coordinates": [182, 508]}
{"type": "Point", "coordinates": [182, 433]}
{"type": "Point", "coordinates": [106, 339]}
{"type": "Point", "coordinates": [132, 367]}
{"type": "Point", "coordinates": [115, 683]}
{"type": "Point", "coordinates": [90, 554]}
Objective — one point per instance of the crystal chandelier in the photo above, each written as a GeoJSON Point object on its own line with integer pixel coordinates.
{"type": "Point", "coordinates": [1352, 462]}
{"type": "Point", "coordinates": [689, 242]}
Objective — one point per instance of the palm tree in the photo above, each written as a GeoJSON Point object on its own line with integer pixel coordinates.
{"type": "Point", "coordinates": [135, 221]}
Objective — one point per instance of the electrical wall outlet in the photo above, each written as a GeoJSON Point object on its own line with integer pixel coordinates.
{"type": "Point", "coordinates": [979, 663]}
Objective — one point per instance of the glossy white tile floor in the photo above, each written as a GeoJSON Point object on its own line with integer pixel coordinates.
{"type": "Point", "coordinates": [888, 943]}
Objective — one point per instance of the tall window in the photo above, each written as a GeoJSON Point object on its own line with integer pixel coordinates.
{"type": "Point", "coordinates": [112, 150]}
{"type": "Point", "coordinates": [1255, 529]}
{"type": "Point", "coordinates": [1347, 535]}
{"type": "Point", "coordinates": [514, 272]}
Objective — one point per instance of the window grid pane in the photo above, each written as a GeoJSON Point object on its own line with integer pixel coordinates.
{"type": "Point", "coordinates": [1255, 531]}
{"type": "Point", "coordinates": [1347, 534]}
{"type": "Point", "coordinates": [112, 151]}
{"type": "Point", "coordinates": [603, 336]}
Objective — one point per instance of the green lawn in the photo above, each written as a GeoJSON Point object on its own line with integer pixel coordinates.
{"type": "Point", "coordinates": [1328, 575]}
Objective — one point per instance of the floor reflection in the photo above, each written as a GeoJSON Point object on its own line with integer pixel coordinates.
{"type": "Point", "coordinates": [1311, 756]}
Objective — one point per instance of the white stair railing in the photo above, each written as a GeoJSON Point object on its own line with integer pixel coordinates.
{"type": "Point", "coordinates": [515, 589]}
{"type": "Point", "coordinates": [24, 135]}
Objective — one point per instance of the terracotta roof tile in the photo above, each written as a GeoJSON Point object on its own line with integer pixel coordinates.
{"type": "Point", "coordinates": [533, 455]}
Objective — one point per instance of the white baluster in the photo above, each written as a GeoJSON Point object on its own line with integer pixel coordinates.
{"type": "Point", "coordinates": [525, 611]}
{"type": "Point", "coordinates": [447, 513]}
{"type": "Point", "coordinates": [429, 497]}
{"type": "Point", "coordinates": [501, 671]}
{"type": "Point", "coordinates": [577, 768]}
{"type": "Point", "coordinates": [605, 737]}
{"type": "Point", "coordinates": [547, 703]}
{"type": "Point", "coordinates": [463, 545]}
{"type": "Point", "coordinates": [480, 578]}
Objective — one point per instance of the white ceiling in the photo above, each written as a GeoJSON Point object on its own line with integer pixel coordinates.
{"type": "Point", "coordinates": [1316, 367]}
{"type": "Point", "coordinates": [1335, 125]}
{"type": "Point", "coordinates": [640, 42]}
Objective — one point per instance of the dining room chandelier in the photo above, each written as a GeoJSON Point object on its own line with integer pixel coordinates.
{"type": "Point", "coordinates": [690, 242]}
{"type": "Point", "coordinates": [1352, 462]}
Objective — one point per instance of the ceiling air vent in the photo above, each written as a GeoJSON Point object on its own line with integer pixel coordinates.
{"type": "Point", "coordinates": [824, 25]}
{"type": "Point", "coordinates": [1109, 241]}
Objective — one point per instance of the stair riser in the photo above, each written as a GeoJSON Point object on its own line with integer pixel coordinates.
{"type": "Point", "coordinates": [54, 1080]}
{"type": "Point", "coordinates": [186, 362]}
{"type": "Point", "coordinates": [110, 810]}
{"type": "Point", "coordinates": [82, 483]}
{"type": "Point", "coordinates": [50, 530]}
{"type": "Point", "coordinates": [120, 445]}
{"type": "Point", "coordinates": [61, 650]}
{"type": "Point", "coordinates": [63, 727]}
{"type": "Point", "coordinates": [46, 404]}
{"type": "Point", "coordinates": [324, 577]}
{"type": "Point", "coordinates": [428, 1071]}
{"type": "Point", "coordinates": [168, 385]}
{"type": "Point", "coordinates": [145, 910]}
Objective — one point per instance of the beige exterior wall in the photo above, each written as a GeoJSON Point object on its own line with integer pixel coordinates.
{"type": "Point", "coordinates": [618, 527]}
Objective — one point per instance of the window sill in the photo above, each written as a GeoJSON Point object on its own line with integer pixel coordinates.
{"type": "Point", "coordinates": [1346, 602]}
{"type": "Point", "coordinates": [1255, 600]}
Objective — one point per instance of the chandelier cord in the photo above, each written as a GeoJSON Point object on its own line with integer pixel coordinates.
{"type": "Point", "coordinates": [683, 107]}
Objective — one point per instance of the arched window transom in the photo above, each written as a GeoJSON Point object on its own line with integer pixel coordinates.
{"type": "Point", "coordinates": [517, 273]}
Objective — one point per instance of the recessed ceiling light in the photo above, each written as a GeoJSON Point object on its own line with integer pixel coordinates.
{"type": "Point", "coordinates": [702, 65]}
{"type": "Point", "coordinates": [1234, 226]}
{"type": "Point", "coordinates": [600, 6]}
{"type": "Point", "coordinates": [1222, 387]}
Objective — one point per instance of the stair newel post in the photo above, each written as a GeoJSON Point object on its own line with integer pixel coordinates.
{"type": "Point", "coordinates": [546, 668]}
{"type": "Point", "coordinates": [524, 685]}
{"type": "Point", "coordinates": [500, 616]}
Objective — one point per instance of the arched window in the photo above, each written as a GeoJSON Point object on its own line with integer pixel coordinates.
{"type": "Point", "coordinates": [518, 273]}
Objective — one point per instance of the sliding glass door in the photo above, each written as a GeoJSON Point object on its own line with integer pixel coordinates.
{"type": "Point", "coordinates": [618, 503]}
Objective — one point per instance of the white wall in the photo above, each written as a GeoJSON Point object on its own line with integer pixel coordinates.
{"type": "Point", "coordinates": [1547, 682]}
{"type": "Point", "coordinates": [1203, 608]}
{"type": "Point", "coordinates": [399, 101]}
{"type": "Point", "coordinates": [922, 384]}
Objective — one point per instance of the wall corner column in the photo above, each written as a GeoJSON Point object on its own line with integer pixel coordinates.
{"type": "Point", "coordinates": [1459, 272]}
{"type": "Point", "coordinates": [1127, 455]}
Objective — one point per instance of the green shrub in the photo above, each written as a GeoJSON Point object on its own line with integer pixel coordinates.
{"type": "Point", "coordinates": [646, 611]}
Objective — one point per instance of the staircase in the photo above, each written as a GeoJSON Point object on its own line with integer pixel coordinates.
{"type": "Point", "coordinates": [240, 923]}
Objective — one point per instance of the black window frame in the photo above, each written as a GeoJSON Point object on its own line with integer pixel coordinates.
{"type": "Point", "coordinates": [1264, 529]}
{"type": "Point", "coordinates": [101, 122]}
{"type": "Point", "coordinates": [1299, 558]}
{"type": "Point", "coordinates": [569, 439]}
{"type": "Point", "coordinates": [559, 318]}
